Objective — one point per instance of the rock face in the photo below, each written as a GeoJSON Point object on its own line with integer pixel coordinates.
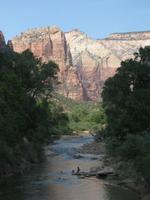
{"type": "Point", "coordinates": [10, 45]}
{"type": "Point", "coordinates": [2, 41]}
{"type": "Point", "coordinates": [3, 46]}
{"type": "Point", "coordinates": [48, 44]}
{"type": "Point", "coordinates": [84, 63]}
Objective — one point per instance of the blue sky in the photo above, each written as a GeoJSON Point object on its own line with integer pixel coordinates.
{"type": "Point", "coordinates": [97, 18]}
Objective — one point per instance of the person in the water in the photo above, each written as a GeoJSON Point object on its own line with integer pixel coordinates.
{"type": "Point", "coordinates": [78, 169]}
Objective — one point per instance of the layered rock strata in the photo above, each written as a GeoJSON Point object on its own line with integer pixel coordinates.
{"type": "Point", "coordinates": [84, 63]}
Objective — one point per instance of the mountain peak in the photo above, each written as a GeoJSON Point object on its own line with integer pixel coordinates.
{"type": "Point", "coordinates": [84, 63]}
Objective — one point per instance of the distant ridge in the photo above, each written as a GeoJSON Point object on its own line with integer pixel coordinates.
{"type": "Point", "coordinates": [130, 32]}
{"type": "Point", "coordinates": [135, 35]}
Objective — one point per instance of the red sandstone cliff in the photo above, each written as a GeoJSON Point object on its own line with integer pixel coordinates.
{"type": "Point", "coordinates": [49, 44]}
{"type": "Point", "coordinates": [84, 63]}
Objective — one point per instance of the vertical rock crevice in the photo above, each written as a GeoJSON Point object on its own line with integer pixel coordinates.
{"type": "Point", "coordinates": [84, 63]}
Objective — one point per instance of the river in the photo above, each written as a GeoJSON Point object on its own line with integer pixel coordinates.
{"type": "Point", "coordinates": [52, 180]}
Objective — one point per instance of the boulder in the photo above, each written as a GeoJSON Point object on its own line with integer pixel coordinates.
{"type": "Point", "coordinates": [103, 173]}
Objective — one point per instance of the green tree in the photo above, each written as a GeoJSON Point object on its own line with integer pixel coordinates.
{"type": "Point", "coordinates": [126, 96]}
{"type": "Point", "coordinates": [126, 101]}
{"type": "Point", "coordinates": [29, 116]}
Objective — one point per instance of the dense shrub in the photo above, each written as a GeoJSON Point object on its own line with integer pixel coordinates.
{"type": "Point", "coordinates": [82, 115]}
{"type": "Point", "coordinates": [126, 101]}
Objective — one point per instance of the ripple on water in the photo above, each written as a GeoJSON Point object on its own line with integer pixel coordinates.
{"type": "Point", "coordinates": [52, 180]}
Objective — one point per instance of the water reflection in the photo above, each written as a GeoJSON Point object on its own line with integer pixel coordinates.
{"type": "Point", "coordinates": [52, 180]}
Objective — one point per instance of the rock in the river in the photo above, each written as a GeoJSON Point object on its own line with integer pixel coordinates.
{"type": "Point", "coordinates": [103, 173]}
{"type": "Point", "coordinates": [77, 156]}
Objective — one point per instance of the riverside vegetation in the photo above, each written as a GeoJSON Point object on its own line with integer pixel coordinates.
{"type": "Point", "coordinates": [29, 116]}
{"type": "Point", "coordinates": [32, 114]}
{"type": "Point", "coordinates": [82, 116]}
{"type": "Point", "coordinates": [126, 101]}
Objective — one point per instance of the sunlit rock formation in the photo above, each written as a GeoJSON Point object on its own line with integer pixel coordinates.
{"type": "Point", "coordinates": [84, 63]}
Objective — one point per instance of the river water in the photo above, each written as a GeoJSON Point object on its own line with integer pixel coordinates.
{"type": "Point", "coordinates": [52, 180]}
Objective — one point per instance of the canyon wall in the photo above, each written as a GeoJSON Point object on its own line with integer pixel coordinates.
{"type": "Point", "coordinates": [3, 46]}
{"type": "Point", "coordinates": [84, 63]}
{"type": "Point", "coordinates": [2, 41]}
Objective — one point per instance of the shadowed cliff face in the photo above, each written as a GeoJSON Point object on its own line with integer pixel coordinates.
{"type": "Point", "coordinates": [84, 63]}
{"type": "Point", "coordinates": [2, 42]}
{"type": "Point", "coordinates": [3, 46]}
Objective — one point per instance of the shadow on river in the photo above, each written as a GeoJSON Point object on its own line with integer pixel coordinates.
{"type": "Point", "coordinates": [52, 180]}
